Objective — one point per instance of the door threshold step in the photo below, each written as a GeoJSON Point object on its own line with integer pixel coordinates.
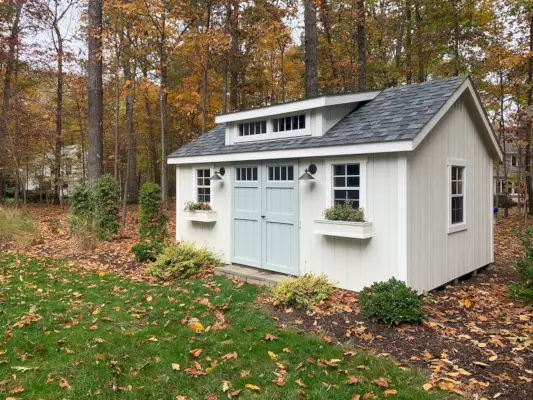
{"type": "Point", "coordinates": [251, 275]}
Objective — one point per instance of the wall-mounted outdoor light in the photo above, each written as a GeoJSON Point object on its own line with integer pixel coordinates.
{"type": "Point", "coordinates": [217, 176]}
{"type": "Point", "coordinates": [308, 174]}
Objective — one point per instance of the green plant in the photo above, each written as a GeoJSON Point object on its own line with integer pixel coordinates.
{"type": "Point", "coordinates": [106, 206]}
{"type": "Point", "coordinates": [183, 260]}
{"type": "Point", "coordinates": [145, 252]}
{"type": "Point", "coordinates": [152, 219]}
{"type": "Point", "coordinates": [303, 291]}
{"type": "Point", "coordinates": [196, 206]}
{"type": "Point", "coordinates": [344, 212]}
{"type": "Point", "coordinates": [391, 302]}
{"type": "Point", "coordinates": [16, 223]}
{"type": "Point", "coordinates": [81, 215]}
{"type": "Point", "coordinates": [523, 289]}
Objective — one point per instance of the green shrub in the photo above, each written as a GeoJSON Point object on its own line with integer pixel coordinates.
{"type": "Point", "coordinates": [145, 252]}
{"type": "Point", "coordinates": [16, 223]}
{"type": "Point", "coordinates": [106, 206]}
{"type": "Point", "coordinates": [523, 289]}
{"type": "Point", "coordinates": [81, 215]}
{"type": "Point", "coordinates": [303, 291]}
{"type": "Point", "coordinates": [182, 260]}
{"type": "Point", "coordinates": [152, 219]}
{"type": "Point", "coordinates": [196, 206]}
{"type": "Point", "coordinates": [391, 302]}
{"type": "Point", "coordinates": [344, 212]}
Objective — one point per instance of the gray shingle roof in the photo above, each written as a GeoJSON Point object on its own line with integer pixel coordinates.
{"type": "Point", "coordinates": [395, 114]}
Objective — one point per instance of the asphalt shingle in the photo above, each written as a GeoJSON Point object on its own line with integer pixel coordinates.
{"type": "Point", "coordinates": [395, 114]}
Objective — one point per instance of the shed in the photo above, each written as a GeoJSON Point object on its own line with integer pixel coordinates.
{"type": "Point", "coordinates": [418, 159]}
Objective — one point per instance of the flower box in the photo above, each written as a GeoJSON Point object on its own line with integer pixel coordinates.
{"type": "Point", "coordinates": [347, 229]}
{"type": "Point", "coordinates": [201, 216]}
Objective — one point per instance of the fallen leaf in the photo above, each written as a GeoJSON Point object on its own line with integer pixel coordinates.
{"type": "Point", "coordinates": [225, 386]}
{"type": "Point", "coordinates": [300, 383]}
{"type": "Point", "coordinates": [64, 384]}
{"type": "Point", "coordinates": [195, 352]}
{"type": "Point", "coordinates": [175, 367]}
{"type": "Point", "coordinates": [427, 386]}
{"type": "Point", "coordinates": [272, 355]}
{"type": "Point", "coordinates": [253, 387]}
{"type": "Point", "coordinates": [352, 380]}
{"type": "Point", "coordinates": [389, 392]}
{"type": "Point", "coordinates": [245, 373]}
{"type": "Point", "coordinates": [381, 382]}
{"type": "Point", "coordinates": [468, 303]}
{"type": "Point", "coordinates": [270, 338]}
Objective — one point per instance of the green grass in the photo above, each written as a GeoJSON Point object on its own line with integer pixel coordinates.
{"type": "Point", "coordinates": [143, 339]}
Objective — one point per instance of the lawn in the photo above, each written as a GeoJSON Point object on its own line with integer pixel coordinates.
{"type": "Point", "coordinates": [70, 333]}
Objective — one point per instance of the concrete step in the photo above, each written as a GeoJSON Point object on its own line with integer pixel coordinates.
{"type": "Point", "coordinates": [254, 276]}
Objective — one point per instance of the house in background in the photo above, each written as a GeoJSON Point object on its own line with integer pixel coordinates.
{"type": "Point", "coordinates": [418, 159]}
{"type": "Point", "coordinates": [511, 185]}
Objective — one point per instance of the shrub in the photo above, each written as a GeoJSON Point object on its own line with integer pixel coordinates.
{"type": "Point", "coordinates": [303, 291]}
{"type": "Point", "coordinates": [196, 206]}
{"type": "Point", "coordinates": [106, 206]}
{"type": "Point", "coordinates": [182, 260]}
{"type": "Point", "coordinates": [523, 289]}
{"type": "Point", "coordinates": [152, 219]}
{"type": "Point", "coordinates": [391, 302]}
{"type": "Point", "coordinates": [81, 215]}
{"type": "Point", "coordinates": [16, 223]}
{"type": "Point", "coordinates": [344, 212]}
{"type": "Point", "coordinates": [145, 252]}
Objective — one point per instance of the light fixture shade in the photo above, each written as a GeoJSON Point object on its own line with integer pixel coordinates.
{"type": "Point", "coordinates": [216, 177]}
{"type": "Point", "coordinates": [306, 176]}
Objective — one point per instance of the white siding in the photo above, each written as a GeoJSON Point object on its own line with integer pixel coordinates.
{"type": "Point", "coordinates": [215, 235]}
{"type": "Point", "coordinates": [434, 256]}
{"type": "Point", "coordinates": [353, 263]}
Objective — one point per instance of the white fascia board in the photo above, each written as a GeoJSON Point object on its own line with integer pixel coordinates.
{"type": "Point", "coordinates": [330, 151]}
{"type": "Point", "coordinates": [296, 106]}
{"type": "Point", "coordinates": [467, 85]}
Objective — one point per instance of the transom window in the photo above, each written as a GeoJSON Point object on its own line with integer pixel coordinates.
{"type": "Point", "coordinates": [203, 185]}
{"type": "Point", "coordinates": [457, 203]}
{"type": "Point", "coordinates": [346, 184]}
{"type": "Point", "coordinates": [288, 123]}
{"type": "Point", "coordinates": [281, 173]}
{"type": "Point", "coordinates": [246, 174]}
{"type": "Point", "coordinates": [252, 128]}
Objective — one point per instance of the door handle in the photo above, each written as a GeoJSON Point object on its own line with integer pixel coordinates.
{"type": "Point", "coordinates": [263, 216]}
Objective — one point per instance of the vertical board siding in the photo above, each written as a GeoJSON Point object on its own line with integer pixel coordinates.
{"type": "Point", "coordinates": [352, 263]}
{"type": "Point", "coordinates": [435, 256]}
{"type": "Point", "coordinates": [215, 235]}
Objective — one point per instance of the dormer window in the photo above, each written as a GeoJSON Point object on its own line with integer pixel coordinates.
{"type": "Point", "coordinates": [252, 128]}
{"type": "Point", "coordinates": [289, 123]}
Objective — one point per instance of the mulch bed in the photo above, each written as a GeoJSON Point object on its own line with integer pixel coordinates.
{"type": "Point", "coordinates": [484, 350]}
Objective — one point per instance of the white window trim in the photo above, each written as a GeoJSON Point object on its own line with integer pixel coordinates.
{"type": "Point", "coordinates": [362, 161]}
{"type": "Point", "coordinates": [194, 196]}
{"type": "Point", "coordinates": [270, 134]}
{"type": "Point", "coordinates": [462, 226]}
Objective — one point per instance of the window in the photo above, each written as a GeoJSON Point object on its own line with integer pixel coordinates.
{"type": "Point", "coordinates": [246, 174]}
{"type": "Point", "coordinates": [513, 161]}
{"type": "Point", "coordinates": [289, 123]}
{"type": "Point", "coordinates": [203, 185]}
{"type": "Point", "coordinates": [68, 166]}
{"type": "Point", "coordinates": [457, 203]}
{"type": "Point", "coordinates": [281, 173]}
{"type": "Point", "coordinates": [346, 184]}
{"type": "Point", "coordinates": [252, 128]}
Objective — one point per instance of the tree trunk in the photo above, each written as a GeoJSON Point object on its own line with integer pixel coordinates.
{"type": "Point", "coordinates": [226, 61]}
{"type": "Point", "coordinates": [529, 182]}
{"type": "Point", "coordinates": [326, 23]}
{"type": "Point", "coordinates": [361, 44]}
{"type": "Point", "coordinates": [95, 91]}
{"type": "Point", "coordinates": [163, 105]}
{"type": "Point", "coordinates": [59, 114]}
{"type": "Point", "coordinates": [152, 141]}
{"type": "Point", "coordinates": [205, 74]}
{"type": "Point", "coordinates": [456, 32]}
{"type": "Point", "coordinates": [408, 44]}
{"type": "Point", "coordinates": [311, 61]}
{"type": "Point", "coordinates": [9, 65]}
{"type": "Point", "coordinates": [234, 59]}
{"type": "Point", "coordinates": [82, 139]}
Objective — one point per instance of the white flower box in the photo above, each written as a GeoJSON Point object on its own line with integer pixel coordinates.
{"type": "Point", "coordinates": [348, 229]}
{"type": "Point", "coordinates": [201, 216]}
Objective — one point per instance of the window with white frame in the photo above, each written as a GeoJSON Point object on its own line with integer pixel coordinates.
{"type": "Point", "coordinates": [246, 174]}
{"type": "Point", "coordinates": [514, 161]}
{"type": "Point", "coordinates": [252, 128]}
{"type": "Point", "coordinates": [346, 184]}
{"type": "Point", "coordinates": [281, 173]}
{"type": "Point", "coordinates": [203, 185]}
{"type": "Point", "coordinates": [293, 123]}
{"type": "Point", "coordinates": [457, 194]}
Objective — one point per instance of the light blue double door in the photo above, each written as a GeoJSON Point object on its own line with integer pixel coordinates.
{"type": "Point", "coordinates": [265, 218]}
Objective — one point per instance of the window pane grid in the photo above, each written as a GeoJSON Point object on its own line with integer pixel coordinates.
{"type": "Point", "coordinates": [252, 128]}
{"type": "Point", "coordinates": [346, 184]}
{"type": "Point", "coordinates": [246, 174]}
{"type": "Point", "coordinates": [457, 194]}
{"type": "Point", "coordinates": [281, 173]}
{"type": "Point", "coordinates": [203, 185]}
{"type": "Point", "coordinates": [289, 123]}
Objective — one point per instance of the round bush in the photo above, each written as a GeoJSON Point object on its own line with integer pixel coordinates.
{"type": "Point", "coordinates": [81, 214]}
{"type": "Point", "coordinates": [391, 302]}
{"type": "Point", "coordinates": [304, 291]}
{"type": "Point", "coordinates": [106, 206]}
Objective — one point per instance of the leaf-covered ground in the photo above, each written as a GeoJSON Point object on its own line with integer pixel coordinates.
{"type": "Point", "coordinates": [475, 342]}
{"type": "Point", "coordinates": [71, 333]}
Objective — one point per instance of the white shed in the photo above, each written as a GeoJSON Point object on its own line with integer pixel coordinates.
{"type": "Point", "coordinates": [418, 159]}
